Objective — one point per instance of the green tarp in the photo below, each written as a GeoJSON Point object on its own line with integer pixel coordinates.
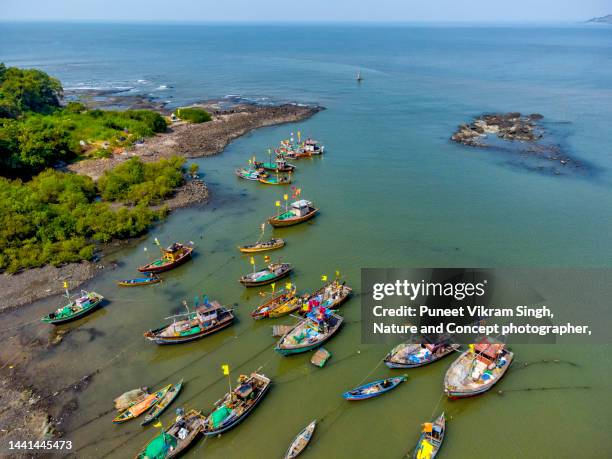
{"type": "Point", "coordinates": [220, 415]}
{"type": "Point", "coordinates": [158, 447]}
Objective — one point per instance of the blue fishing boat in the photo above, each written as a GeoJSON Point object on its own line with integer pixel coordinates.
{"type": "Point", "coordinates": [152, 279]}
{"type": "Point", "coordinates": [431, 439]}
{"type": "Point", "coordinates": [374, 389]}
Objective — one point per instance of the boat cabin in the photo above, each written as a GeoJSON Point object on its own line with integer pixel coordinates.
{"type": "Point", "coordinates": [488, 353]}
{"type": "Point", "coordinates": [173, 252]}
{"type": "Point", "coordinates": [301, 208]}
{"type": "Point", "coordinates": [311, 145]}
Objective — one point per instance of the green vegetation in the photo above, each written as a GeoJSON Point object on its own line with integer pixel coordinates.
{"type": "Point", "coordinates": [136, 182]}
{"type": "Point", "coordinates": [27, 90]}
{"type": "Point", "coordinates": [55, 218]}
{"type": "Point", "coordinates": [193, 114]}
{"type": "Point", "coordinates": [35, 132]}
{"type": "Point", "coordinates": [58, 217]}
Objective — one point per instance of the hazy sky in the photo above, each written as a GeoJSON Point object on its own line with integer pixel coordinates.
{"type": "Point", "coordinates": [305, 10]}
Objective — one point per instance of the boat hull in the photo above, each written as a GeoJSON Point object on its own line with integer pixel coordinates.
{"type": "Point", "coordinates": [253, 249]}
{"type": "Point", "coordinates": [355, 397]}
{"type": "Point", "coordinates": [275, 222]}
{"type": "Point", "coordinates": [455, 394]}
{"type": "Point", "coordinates": [250, 283]}
{"type": "Point", "coordinates": [285, 351]}
{"type": "Point", "coordinates": [154, 414]}
{"type": "Point", "coordinates": [398, 365]}
{"type": "Point", "coordinates": [138, 282]}
{"type": "Point", "coordinates": [185, 339]}
{"type": "Point", "coordinates": [167, 267]}
{"type": "Point", "coordinates": [76, 316]}
{"type": "Point", "coordinates": [242, 417]}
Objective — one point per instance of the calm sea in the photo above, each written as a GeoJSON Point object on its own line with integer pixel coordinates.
{"type": "Point", "coordinates": [393, 191]}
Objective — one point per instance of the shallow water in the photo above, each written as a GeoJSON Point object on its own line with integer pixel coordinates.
{"type": "Point", "coordinates": [393, 191]}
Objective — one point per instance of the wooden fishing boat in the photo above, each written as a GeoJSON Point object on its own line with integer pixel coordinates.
{"type": "Point", "coordinates": [137, 409]}
{"type": "Point", "coordinates": [431, 439]}
{"type": "Point", "coordinates": [276, 180]}
{"type": "Point", "coordinates": [176, 439]}
{"type": "Point", "coordinates": [286, 308]}
{"type": "Point", "coordinates": [300, 442]}
{"type": "Point", "coordinates": [251, 174]}
{"type": "Point", "coordinates": [300, 211]}
{"type": "Point", "coordinates": [374, 389]}
{"type": "Point", "coordinates": [272, 273]}
{"type": "Point", "coordinates": [173, 256]}
{"type": "Point", "coordinates": [272, 244]}
{"type": "Point", "coordinates": [237, 404]}
{"type": "Point", "coordinates": [269, 307]}
{"type": "Point", "coordinates": [193, 325]}
{"type": "Point", "coordinates": [477, 370]}
{"type": "Point", "coordinates": [280, 165]}
{"type": "Point", "coordinates": [331, 296]}
{"type": "Point", "coordinates": [312, 146]}
{"type": "Point", "coordinates": [309, 334]}
{"type": "Point", "coordinates": [163, 404]}
{"type": "Point", "coordinates": [139, 281]}
{"type": "Point", "coordinates": [408, 355]}
{"type": "Point", "coordinates": [75, 309]}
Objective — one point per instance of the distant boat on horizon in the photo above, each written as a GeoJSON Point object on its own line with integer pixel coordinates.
{"type": "Point", "coordinates": [359, 78]}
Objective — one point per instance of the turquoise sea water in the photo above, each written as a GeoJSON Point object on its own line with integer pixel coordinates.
{"type": "Point", "coordinates": [393, 191]}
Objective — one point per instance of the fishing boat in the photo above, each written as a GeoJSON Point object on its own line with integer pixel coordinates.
{"type": "Point", "coordinates": [280, 165]}
{"type": "Point", "coordinates": [299, 211]}
{"type": "Point", "coordinates": [300, 442]}
{"type": "Point", "coordinates": [374, 389]}
{"type": "Point", "coordinates": [152, 279]}
{"type": "Point", "coordinates": [272, 273]}
{"type": "Point", "coordinates": [137, 409]}
{"type": "Point", "coordinates": [75, 309]}
{"type": "Point", "coordinates": [237, 404]}
{"type": "Point", "coordinates": [276, 179]}
{"type": "Point", "coordinates": [192, 325]}
{"type": "Point", "coordinates": [250, 174]}
{"type": "Point", "coordinates": [477, 370]}
{"type": "Point", "coordinates": [279, 300]}
{"type": "Point", "coordinates": [163, 404]}
{"type": "Point", "coordinates": [408, 355]}
{"type": "Point", "coordinates": [272, 244]}
{"type": "Point", "coordinates": [176, 439]}
{"type": "Point", "coordinates": [431, 439]}
{"type": "Point", "coordinates": [309, 333]}
{"type": "Point", "coordinates": [312, 147]}
{"type": "Point", "coordinates": [330, 296]}
{"type": "Point", "coordinates": [359, 78]}
{"type": "Point", "coordinates": [173, 256]}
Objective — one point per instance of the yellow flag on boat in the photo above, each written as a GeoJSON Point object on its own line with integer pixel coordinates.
{"type": "Point", "coordinates": [158, 424]}
{"type": "Point", "coordinates": [299, 135]}
{"type": "Point", "coordinates": [252, 260]}
{"type": "Point", "coordinates": [471, 348]}
{"type": "Point", "coordinates": [337, 273]}
{"type": "Point", "coordinates": [285, 197]}
{"type": "Point", "coordinates": [288, 285]}
{"type": "Point", "coordinates": [266, 258]}
{"type": "Point", "coordinates": [263, 226]}
{"type": "Point", "coordinates": [225, 369]}
{"type": "Point", "coordinates": [277, 203]}
{"type": "Point", "coordinates": [324, 278]}
{"type": "Point", "coordinates": [65, 284]}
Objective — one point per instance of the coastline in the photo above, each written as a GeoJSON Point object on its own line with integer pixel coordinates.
{"type": "Point", "coordinates": [182, 139]}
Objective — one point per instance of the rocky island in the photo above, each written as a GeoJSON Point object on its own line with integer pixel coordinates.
{"type": "Point", "coordinates": [506, 126]}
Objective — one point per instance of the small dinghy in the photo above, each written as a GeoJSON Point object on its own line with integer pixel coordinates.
{"type": "Point", "coordinates": [272, 273]}
{"type": "Point", "coordinates": [300, 211]}
{"type": "Point", "coordinates": [408, 355]}
{"type": "Point", "coordinates": [272, 244]}
{"type": "Point", "coordinates": [152, 279]}
{"type": "Point", "coordinates": [431, 439]}
{"type": "Point", "coordinates": [176, 439]}
{"type": "Point", "coordinates": [136, 410]}
{"type": "Point", "coordinates": [163, 404]}
{"type": "Point", "coordinates": [173, 256]}
{"type": "Point", "coordinates": [374, 389]}
{"type": "Point", "coordinates": [237, 404]}
{"type": "Point", "coordinates": [300, 442]}
{"type": "Point", "coordinates": [75, 309]}
{"type": "Point", "coordinates": [477, 370]}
